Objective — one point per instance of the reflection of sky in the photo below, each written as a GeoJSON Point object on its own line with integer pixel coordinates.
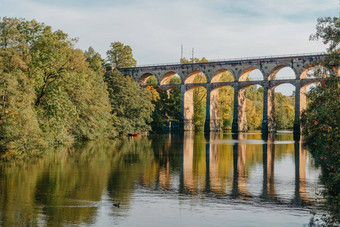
{"type": "Point", "coordinates": [145, 199]}
{"type": "Point", "coordinates": [149, 209]}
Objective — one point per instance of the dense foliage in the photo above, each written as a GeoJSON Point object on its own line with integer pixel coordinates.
{"type": "Point", "coordinates": [130, 103]}
{"type": "Point", "coordinates": [54, 94]}
{"type": "Point", "coordinates": [167, 108]}
{"type": "Point", "coordinates": [19, 127]}
{"type": "Point", "coordinates": [320, 121]}
{"type": "Point", "coordinates": [49, 93]}
{"type": "Point", "coordinates": [120, 55]}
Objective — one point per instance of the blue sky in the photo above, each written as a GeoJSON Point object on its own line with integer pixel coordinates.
{"type": "Point", "coordinates": [217, 29]}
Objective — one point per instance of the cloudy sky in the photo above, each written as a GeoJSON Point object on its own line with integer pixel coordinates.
{"type": "Point", "coordinates": [155, 29]}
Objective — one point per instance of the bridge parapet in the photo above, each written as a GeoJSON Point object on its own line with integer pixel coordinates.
{"type": "Point", "coordinates": [267, 65]}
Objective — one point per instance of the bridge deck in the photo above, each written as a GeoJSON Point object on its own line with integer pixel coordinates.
{"type": "Point", "coordinates": [234, 60]}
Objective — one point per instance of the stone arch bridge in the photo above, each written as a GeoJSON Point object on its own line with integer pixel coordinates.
{"type": "Point", "coordinates": [240, 69]}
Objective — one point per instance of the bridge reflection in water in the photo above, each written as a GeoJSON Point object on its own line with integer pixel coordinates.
{"type": "Point", "coordinates": [218, 166]}
{"type": "Point", "coordinates": [167, 173]}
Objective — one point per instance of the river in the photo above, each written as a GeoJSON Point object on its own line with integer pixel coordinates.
{"type": "Point", "coordinates": [165, 180]}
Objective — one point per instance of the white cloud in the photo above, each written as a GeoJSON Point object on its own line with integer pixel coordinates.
{"type": "Point", "coordinates": [156, 29]}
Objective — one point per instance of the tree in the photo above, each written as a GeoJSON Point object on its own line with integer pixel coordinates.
{"type": "Point", "coordinates": [200, 97]}
{"type": "Point", "coordinates": [175, 80]}
{"type": "Point", "coordinates": [152, 81]}
{"type": "Point", "coordinates": [94, 59]}
{"type": "Point", "coordinates": [193, 60]}
{"type": "Point", "coordinates": [320, 121]}
{"type": "Point", "coordinates": [328, 29]}
{"type": "Point", "coordinates": [167, 108]}
{"type": "Point", "coordinates": [130, 103]}
{"type": "Point", "coordinates": [76, 106]}
{"type": "Point", "coordinates": [19, 128]}
{"type": "Point", "coordinates": [120, 55]}
{"type": "Point", "coordinates": [69, 95]}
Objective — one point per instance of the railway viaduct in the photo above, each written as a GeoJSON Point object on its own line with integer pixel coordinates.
{"type": "Point", "coordinates": [269, 66]}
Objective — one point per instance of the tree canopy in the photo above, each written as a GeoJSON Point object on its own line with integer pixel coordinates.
{"type": "Point", "coordinates": [50, 86]}
{"type": "Point", "coordinates": [120, 55]}
{"type": "Point", "coordinates": [320, 121]}
{"type": "Point", "coordinates": [130, 103]}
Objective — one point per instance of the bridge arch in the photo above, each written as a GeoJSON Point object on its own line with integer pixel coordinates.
{"type": "Point", "coordinates": [143, 80]}
{"type": "Point", "coordinates": [279, 72]}
{"type": "Point", "coordinates": [310, 70]}
{"type": "Point", "coordinates": [192, 91]}
{"type": "Point", "coordinates": [247, 84]}
{"type": "Point", "coordinates": [284, 112]}
{"type": "Point", "coordinates": [275, 84]}
{"type": "Point", "coordinates": [305, 87]}
{"type": "Point", "coordinates": [307, 83]}
{"type": "Point", "coordinates": [218, 75]}
{"type": "Point", "coordinates": [166, 78]}
{"type": "Point", "coordinates": [169, 87]}
{"type": "Point", "coordinates": [191, 77]}
{"type": "Point", "coordinates": [244, 75]}
{"type": "Point", "coordinates": [221, 107]}
{"type": "Point", "coordinates": [247, 110]}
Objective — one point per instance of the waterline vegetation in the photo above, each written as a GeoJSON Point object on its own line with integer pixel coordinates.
{"type": "Point", "coordinates": [321, 128]}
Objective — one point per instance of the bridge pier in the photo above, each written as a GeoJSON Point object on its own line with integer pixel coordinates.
{"type": "Point", "coordinates": [300, 104]}
{"type": "Point", "coordinates": [207, 112]}
{"type": "Point", "coordinates": [264, 126]}
{"type": "Point", "coordinates": [234, 126]}
{"type": "Point", "coordinates": [212, 121]}
{"type": "Point", "coordinates": [239, 113]}
{"type": "Point", "coordinates": [271, 110]}
{"type": "Point", "coordinates": [242, 116]}
{"type": "Point", "coordinates": [187, 109]}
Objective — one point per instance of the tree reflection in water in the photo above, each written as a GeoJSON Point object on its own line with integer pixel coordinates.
{"type": "Point", "coordinates": [71, 187]}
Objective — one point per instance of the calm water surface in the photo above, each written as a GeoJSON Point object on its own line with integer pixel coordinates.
{"type": "Point", "coordinates": [167, 180]}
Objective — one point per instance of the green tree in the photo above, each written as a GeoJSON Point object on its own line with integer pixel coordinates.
{"type": "Point", "coordinates": [284, 111]}
{"type": "Point", "coordinates": [175, 80]}
{"type": "Point", "coordinates": [167, 108]}
{"type": "Point", "coordinates": [254, 107]}
{"type": "Point", "coordinates": [200, 97]}
{"type": "Point", "coordinates": [193, 60]}
{"type": "Point", "coordinates": [19, 128]}
{"type": "Point", "coordinates": [320, 121]}
{"type": "Point", "coordinates": [328, 30]}
{"type": "Point", "coordinates": [120, 55]}
{"type": "Point", "coordinates": [130, 103]}
{"type": "Point", "coordinates": [226, 101]}
{"type": "Point", "coordinates": [70, 98]}
{"type": "Point", "coordinates": [94, 59]}
{"type": "Point", "coordinates": [152, 81]}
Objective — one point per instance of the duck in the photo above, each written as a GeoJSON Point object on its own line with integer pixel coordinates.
{"type": "Point", "coordinates": [116, 204]}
